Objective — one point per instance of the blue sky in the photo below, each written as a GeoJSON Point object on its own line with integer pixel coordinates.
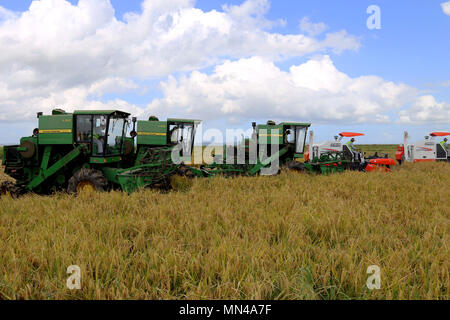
{"type": "Point", "coordinates": [412, 48]}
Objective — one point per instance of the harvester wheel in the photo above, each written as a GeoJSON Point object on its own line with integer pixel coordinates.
{"type": "Point", "coordinates": [295, 165]}
{"type": "Point", "coordinates": [10, 188]}
{"type": "Point", "coordinates": [87, 180]}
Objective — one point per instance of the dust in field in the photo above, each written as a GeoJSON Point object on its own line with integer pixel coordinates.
{"type": "Point", "coordinates": [292, 236]}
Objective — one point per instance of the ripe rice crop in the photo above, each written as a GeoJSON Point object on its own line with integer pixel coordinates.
{"type": "Point", "coordinates": [291, 236]}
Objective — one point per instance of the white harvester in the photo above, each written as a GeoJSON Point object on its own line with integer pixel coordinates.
{"type": "Point", "coordinates": [427, 150]}
{"type": "Point", "coordinates": [337, 146]}
{"type": "Point", "coordinates": [331, 146]}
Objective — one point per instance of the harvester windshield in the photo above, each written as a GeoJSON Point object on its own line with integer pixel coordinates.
{"type": "Point", "coordinates": [105, 132]}
{"type": "Point", "coordinates": [295, 134]}
{"type": "Point", "coordinates": [116, 133]}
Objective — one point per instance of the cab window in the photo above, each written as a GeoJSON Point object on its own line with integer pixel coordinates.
{"type": "Point", "coordinates": [99, 135]}
{"type": "Point", "coordinates": [174, 132]}
{"type": "Point", "coordinates": [183, 134]}
{"type": "Point", "coordinates": [290, 135]}
{"type": "Point", "coordinates": [300, 136]}
{"type": "Point", "coordinates": [187, 139]}
{"type": "Point", "coordinates": [84, 128]}
{"type": "Point", "coordinates": [115, 135]}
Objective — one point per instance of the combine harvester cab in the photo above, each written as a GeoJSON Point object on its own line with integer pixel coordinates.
{"type": "Point", "coordinates": [336, 156]}
{"type": "Point", "coordinates": [163, 147]}
{"type": "Point", "coordinates": [173, 135]}
{"type": "Point", "coordinates": [270, 147]}
{"type": "Point", "coordinates": [84, 150]}
{"type": "Point", "coordinates": [427, 150]}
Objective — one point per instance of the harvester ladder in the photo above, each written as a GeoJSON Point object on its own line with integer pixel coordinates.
{"type": "Point", "coordinates": [45, 172]}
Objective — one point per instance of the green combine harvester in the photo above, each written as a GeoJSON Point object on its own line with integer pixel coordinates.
{"type": "Point", "coordinates": [89, 150]}
{"type": "Point", "coordinates": [270, 147]}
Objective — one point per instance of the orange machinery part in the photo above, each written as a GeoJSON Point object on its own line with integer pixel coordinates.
{"type": "Point", "coordinates": [306, 156]}
{"type": "Point", "coordinates": [440, 134]}
{"type": "Point", "coordinates": [400, 152]}
{"type": "Point", "coordinates": [382, 161]}
{"type": "Point", "coordinates": [350, 134]}
{"type": "Point", "coordinates": [373, 167]}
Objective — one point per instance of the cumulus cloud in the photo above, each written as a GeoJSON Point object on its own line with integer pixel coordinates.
{"type": "Point", "coordinates": [23, 103]}
{"type": "Point", "coordinates": [55, 47]}
{"type": "Point", "coordinates": [426, 109]}
{"type": "Point", "coordinates": [256, 88]}
{"type": "Point", "coordinates": [6, 14]}
{"type": "Point", "coordinates": [313, 29]}
{"type": "Point", "coordinates": [446, 7]}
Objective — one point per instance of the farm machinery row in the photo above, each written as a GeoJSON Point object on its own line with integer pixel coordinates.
{"type": "Point", "coordinates": [275, 146]}
{"type": "Point", "coordinates": [90, 150]}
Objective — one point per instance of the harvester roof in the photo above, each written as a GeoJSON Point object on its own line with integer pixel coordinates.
{"type": "Point", "coordinates": [350, 134]}
{"type": "Point", "coordinates": [295, 124]}
{"type": "Point", "coordinates": [183, 120]}
{"type": "Point", "coordinates": [440, 134]}
{"type": "Point", "coordinates": [101, 112]}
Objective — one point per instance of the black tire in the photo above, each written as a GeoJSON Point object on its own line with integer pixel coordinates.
{"type": "Point", "coordinates": [295, 165]}
{"type": "Point", "coordinates": [89, 176]}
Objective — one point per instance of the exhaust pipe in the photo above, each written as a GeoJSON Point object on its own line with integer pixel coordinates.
{"type": "Point", "coordinates": [311, 142]}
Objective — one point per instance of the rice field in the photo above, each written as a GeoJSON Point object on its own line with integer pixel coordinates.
{"type": "Point", "coordinates": [291, 236]}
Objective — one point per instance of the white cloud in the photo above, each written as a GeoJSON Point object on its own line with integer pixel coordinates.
{"type": "Point", "coordinates": [425, 110]}
{"type": "Point", "coordinates": [446, 7]}
{"type": "Point", "coordinates": [255, 88]}
{"type": "Point", "coordinates": [15, 103]}
{"type": "Point", "coordinates": [112, 85]}
{"type": "Point", "coordinates": [55, 47]}
{"type": "Point", "coordinates": [6, 14]}
{"type": "Point", "coordinates": [313, 29]}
